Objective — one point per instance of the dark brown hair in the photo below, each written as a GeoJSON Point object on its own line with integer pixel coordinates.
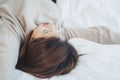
{"type": "Point", "coordinates": [45, 58]}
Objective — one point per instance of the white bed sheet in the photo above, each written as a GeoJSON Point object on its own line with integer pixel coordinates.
{"type": "Point", "coordinates": [89, 13]}
{"type": "Point", "coordinates": [102, 61]}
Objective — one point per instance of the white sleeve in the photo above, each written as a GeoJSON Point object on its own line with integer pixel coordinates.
{"type": "Point", "coordinates": [9, 50]}
{"type": "Point", "coordinates": [11, 35]}
{"type": "Point", "coordinates": [97, 34]}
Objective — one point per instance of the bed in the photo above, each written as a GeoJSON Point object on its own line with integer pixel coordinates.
{"type": "Point", "coordinates": [100, 62]}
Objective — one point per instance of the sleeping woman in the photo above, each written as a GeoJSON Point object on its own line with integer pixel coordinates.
{"type": "Point", "coordinates": [47, 53]}
{"type": "Point", "coordinates": [44, 50]}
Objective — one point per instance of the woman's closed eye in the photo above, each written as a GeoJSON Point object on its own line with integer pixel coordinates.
{"type": "Point", "coordinates": [46, 31]}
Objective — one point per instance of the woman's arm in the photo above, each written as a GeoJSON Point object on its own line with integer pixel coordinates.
{"type": "Point", "coordinates": [97, 34]}
{"type": "Point", "coordinates": [9, 50]}
{"type": "Point", "coordinates": [11, 34]}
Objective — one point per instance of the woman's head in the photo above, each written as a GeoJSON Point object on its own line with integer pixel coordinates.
{"type": "Point", "coordinates": [46, 57]}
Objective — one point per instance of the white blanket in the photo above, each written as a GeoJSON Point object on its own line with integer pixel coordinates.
{"type": "Point", "coordinates": [88, 13]}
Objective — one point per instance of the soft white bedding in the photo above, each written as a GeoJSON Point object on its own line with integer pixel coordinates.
{"type": "Point", "coordinates": [88, 13]}
{"type": "Point", "coordinates": [101, 62]}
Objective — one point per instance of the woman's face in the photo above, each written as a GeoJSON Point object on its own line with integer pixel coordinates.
{"type": "Point", "coordinates": [46, 30]}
